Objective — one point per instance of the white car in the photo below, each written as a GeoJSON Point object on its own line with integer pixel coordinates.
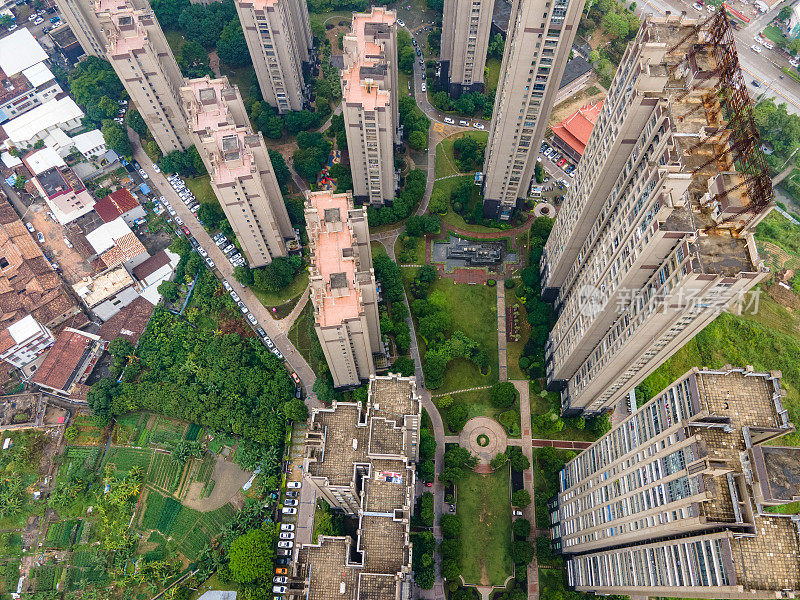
{"type": "Point", "coordinates": [203, 253]}
{"type": "Point", "coordinates": [210, 263]}
{"type": "Point", "coordinates": [155, 168]}
{"type": "Point", "coordinates": [287, 527]}
{"type": "Point", "coordinates": [290, 502]}
{"type": "Point", "coordinates": [30, 227]}
{"type": "Point", "coordinates": [288, 510]}
{"type": "Point", "coordinates": [278, 589]}
{"type": "Point", "coordinates": [423, 87]}
{"type": "Point", "coordinates": [225, 284]}
{"type": "Point", "coordinates": [67, 243]}
{"type": "Point", "coordinates": [697, 6]}
{"type": "Point", "coordinates": [768, 45]}
{"type": "Point", "coordinates": [449, 121]}
{"type": "Point", "coordinates": [195, 208]}
{"type": "Point", "coordinates": [478, 126]}
{"type": "Point", "coordinates": [40, 237]}
{"type": "Point", "coordinates": [286, 535]}
{"type": "Point", "coordinates": [235, 296]}
{"type": "Point", "coordinates": [463, 123]}
{"type": "Point", "coordinates": [277, 353]}
{"type": "Point", "coordinates": [252, 319]}
{"type": "Point", "coordinates": [399, 22]}
{"type": "Point", "coordinates": [38, 21]}
{"type": "Point", "coordinates": [293, 484]}
{"type": "Point", "coordinates": [178, 220]}
{"type": "Point", "coordinates": [794, 62]}
{"type": "Point", "coordinates": [756, 48]}
{"type": "Point", "coordinates": [171, 211]}
{"type": "Point", "coordinates": [143, 174]}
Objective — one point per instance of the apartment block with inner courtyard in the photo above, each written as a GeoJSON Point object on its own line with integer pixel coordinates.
{"type": "Point", "coordinates": [360, 458]}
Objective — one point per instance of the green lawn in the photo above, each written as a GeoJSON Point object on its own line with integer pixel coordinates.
{"type": "Point", "coordinates": [453, 218]}
{"type": "Point", "coordinates": [478, 405]}
{"type": "Point", "coordinates": [175, 40]}
{"type": "Point", "coordinates": [290, 293]}
{"type": "Point", "coordinates": [304, 338]}
{"type": "Point", "coordinates": [479, 323]}
{"type": "Point", "coordinates": [485, 511]}
{"type": "Point", "coordinates": [543, 402]}
{"type": "Point", "coordinates": [242, 77]}
{"type": "Point", "coordinates": [492, 74]}
{"type": "Point", "coordinates": [201, 188]}
{"type": "Point", "coordinates": [445, 161]}
{"type": "Point", "coordinates": [332, 16]}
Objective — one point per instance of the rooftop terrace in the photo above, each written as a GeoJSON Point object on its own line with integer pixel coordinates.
{"type": "Point", "coordinates": [366, 60]}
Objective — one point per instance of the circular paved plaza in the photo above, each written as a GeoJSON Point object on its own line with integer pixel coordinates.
{"type": "Point", "coordinates": [484, 437]}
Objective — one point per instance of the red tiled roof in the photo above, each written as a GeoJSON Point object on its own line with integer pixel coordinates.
{"type": "Point", "coordinates": [128, 323]}
{"type": "Point", "coordinates": [151, 265]}
{"type": "Point", "coordinates": [576, 129]}
{"type": "Point", "coordinates": [115, 204]}
{"type": "Point", "coordinates": [59, 367]}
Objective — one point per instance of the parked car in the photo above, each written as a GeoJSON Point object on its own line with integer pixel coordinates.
{"type": "Point", "coordinates": [227, 286]}
{"type": "Point", "coordinates": [293, 484]}
{"type": "Point", "coordinates": [289, 510]}
{"type": "Point", "coordinates": [517, 513]}
{"type": "Point", "coordinates": [279, 579]}
{"type": "Point", "coordinates": [155, 168]}
{"type": "Point", "coordinates": [286, 535]}
{"type": "Point", "coordinates": [252, 319]}
{"type": "Point", "coordinates": [290, 502]}
{"type": "Point", "coordinates": [422, 86]}
{"type": "Point", "coordinates": [281, 571]}
{"type": "Point", "coordinates": [278, 589]}
{"type": "Point", "coordinates": [242, 307]}
{"type": "Point", "coordinates": [143, 174]}
{"type": "Point", "coordinates": [67, 243]}
{"type": "Point", "coordinates": [229, 248]}
{"type": "Point", "coordinates": [281, 560]}
{"type": "Point", "coordinates": [296, 380]}
{"type": "Point", "coordinates": [277, 353]}
{"type": "Point", "coordinates": [292, 494]}
{"type": "Point", "coordinates": [463, 123]}
{"type": "Point", "coordinates": [284, 552]}
{"type": "Point", "coordinates": [261, 332]}
{"type": "Point", "coordinates": [186, 231]}
{"type": "Point", "coordinates": [479, 126]}
{"type": "Point", "coordinates": [756, 48]}
{"type": "Point", "coordinates": [400, 22]}
{"type": "Point", "coordinates": [235, 296]}
{"type": "Point", "coordinates": [286, 543]}
{"type": "Point", "coordinates": [40, 237]}
{"type": "Point", "coordinates": [178, 220]}
{"type": "Point", "coordinates": [287, 527]}
{"type": "Point", "coordinates": [30, 227]}
{"type": "Point", "coordinates": [210, 263]}
{"type": "Point", "coordinates": [449, 120]}
{"type": "Point", "coordinates": [768, 45]}
{"type": "Point", "coordinates": [202, 253]}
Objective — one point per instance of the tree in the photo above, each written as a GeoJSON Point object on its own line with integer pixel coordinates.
{"type": "Point", "coordinates": [71, 433]}
{"type": "Point", "coordinates": [323, 389]}
{"type": "Point", "coordinates": [296, 410]}
{"type": "Point", "coordinates": [426, 509]}
{"type": "Point", "coordinates": [503, 394]}
{"type": "Point", "coordinates": [459, 458]}
{"type": "Point", "coordinates": [521, 528]}
{"type": "Point", "coordinates": [135, 121]}
{"type": "Point", "coordinates": [251, 555]}
{"type": "Point", "coordinates": [496, 46]}
{"type": "Point", "coordinates": [427, 444]}
{"type": "Point", "coordinates": [243, 275]}
{"type": "Point", "coordinates": [522, 552]}
{"type": "Point", "coordinates": [418, 140]}
{"type": "Point", "coordinates": [451, 526]}
{"type": "Point", "coordinates": [232, 47]}
{"type": "Point", "coordinates": [403, 365]}
{"type": "Point", "coordinates": [538, 172]}
{"type": "Point", "coordinates": [785, 14]}
{"type": "Point", "coordinates": [405, 59]}
{"type": "Point", "coordinates": [439, 202]}
{"type": "Point", "coordinates": [116, 137]}
{"type": "Point", "coordinates": [426, 471]}
{"type": "Point", "coordinates": [282, 173]}
{"type": "Point", "coordinates": [498, 461]}
{"type": "Point", "coordinates": [616, 24]}
{"type": "Point", "coordinates": [193, 59]}
{"type": "Point", "coordinates": [169, 290]}
{"type": "Point", "coordinates": [519, 462]}
{"type": "Point", "coordinates": [210, 214]}
{"type": "Point", "coordinates": [520, 498]}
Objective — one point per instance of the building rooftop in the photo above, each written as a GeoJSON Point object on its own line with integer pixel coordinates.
{"type": "Point", "coordinates": [129, 323]}
{"type": "Point", "coordinates": [160, 259]}
{"type": "Point", "coordinates": [70, 358]}
{"type": "Point", "coordinates": [94, 291]}
{"type": "Point", "coordinates": [45, 116]}
{"type": "Point", "coordinates": [575, 68]}
{"type": "Point", "coordinates": [42, 162]}
{"type": "Point", "coordinates": [576, 129]}
{"type": "Point", "coordinates": [88, 140]}
{"type": "Point", "coordinates": [38, 74]}
{"type": "Point", "coordinates": [28, 283]}
{"type": "Point", "coordinates": [12, 86]}
{"type": "Point", "coordinates": [330, 260]}
{"type": "Point", "coordinates": [20, 50]}
{"type": "Point", "coordinates": [115, 205]}
{"type": "Point", "coordinates": [366, 62]}
{"type": "Point", "coordinates": [128, 34]}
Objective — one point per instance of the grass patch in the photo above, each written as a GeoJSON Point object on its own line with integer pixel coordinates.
{"type": "Point", "coordinates": [542, 402]}
{"type": "Point", "coordinates": [453, 218]}
{"type": "Point", "coordinates": [291, 292]}
{"type": "Point", "coordinates": [485, 513]}
{"type": "Point", "coordinates": [784, 509]}
{"type": "Point", "coordinates": [478, 404]}
{"type": "Point", "coordinates": [492, 74]}
{"type": "Point", "coordinates": [514, 349]}
{"type": "Point", "coordinates": [243, 77]}
{"type": "Point", "coordinates": [201, 188]}
{"type": "Point", "coordinates": [445, 160]}
{"type": "Point", "coordinates": [304, 338]}
{"type": "Point", "coordinates": [479, 323]}
{"type": "Point", "coordinates": [176, 40]}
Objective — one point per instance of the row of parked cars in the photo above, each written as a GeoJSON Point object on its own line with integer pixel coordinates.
{"type": "Point", "coordinates": [552, 155]}
{"type": "Point", "coordinates": [229, 250]}
{"type": "Point", "coordinates": [286, 535]}
{"type": "Point", "coordinates": [462, 123]}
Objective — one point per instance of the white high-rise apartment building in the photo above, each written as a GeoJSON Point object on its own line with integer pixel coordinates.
{"type": "Point", "coordinates": [465, 39]}
{"type": "Point", "coordinates": [278, 35]}
{"type": "Point", "coordinates": [540, 35]}
{"type": "Point", "coordinates": [369, 104]}
{"type": "Point", "coordinates": [139, 52]}
{"type": "Point", "coordinates": [654, 237]}
{"type": "Point", "coordinates": [241, 172]}
{"type": "Point", "coordinates": [343, 289]}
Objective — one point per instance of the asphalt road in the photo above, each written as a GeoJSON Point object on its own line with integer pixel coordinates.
{"type": "Point", "coordinates": [224, 270]}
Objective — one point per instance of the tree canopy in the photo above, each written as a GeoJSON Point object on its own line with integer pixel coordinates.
{"type": "Point", "coordinates": [251, 555]}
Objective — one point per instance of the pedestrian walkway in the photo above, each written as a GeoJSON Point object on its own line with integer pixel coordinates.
{"type": "Point", "coordinates": [529, 511]}
{"type": "Point", "coordinates": [561, 444]}
{"type": "Point", "coordinates": [286, 322]}
{"type": "Point", "coordinates": [480, 387]}
{"type": "Point", "coordinates": [501, 331]}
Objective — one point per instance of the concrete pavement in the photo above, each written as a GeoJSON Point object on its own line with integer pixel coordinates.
{"type": "Point", "coordinates": [502, 350]}
{"type": "Point", "coordinates": [224, 269]}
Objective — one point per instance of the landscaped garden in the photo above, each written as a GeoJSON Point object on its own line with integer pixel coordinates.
{"type": "Point", "coordinates": [485, 513]}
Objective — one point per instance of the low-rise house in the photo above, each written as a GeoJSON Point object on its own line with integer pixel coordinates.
{"type": "Point", "coordinates": [23, 343]}
{"type": "Point", "coordinates": [68, 364]}
{"type": "Point", "coordinates": [120, 203]}
{"type": "Point", "coordinates": [570, 136]}
{"type": "Point", "coordinates": [129, 323]}
{"type": "Point", "coordinates": [27, 129]}
{"type": "Point", "coordinates": [115, 244]}
{"type": "Point", "coordinates": [149, 275]}
{"type": "Point", "coordinates": [107, 293]}
{"type": "Point", "coordinates": [62, 190]}
{"type": "Point", "coordinates": [25, 80]}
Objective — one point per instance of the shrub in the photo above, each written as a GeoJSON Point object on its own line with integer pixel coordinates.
{"type": "Point", "coordinates": [510, 284]}
{"type": "Point", "coordinates": [451, 526]}
{"type": "Point", "coordinates": [491, 282]}
{"type": "Point", "coordinates": [457, 417]}
{"type": "Point", "coordinates": [521, 499]}
{"type": "Point", "coordinates": [522, 552]}
{"type": "Point", "coordinates": [71, 433]}
{"type": "Point", "coordinates": [503, 394]}
{"type": "Point", "coordinates": [521, 528]}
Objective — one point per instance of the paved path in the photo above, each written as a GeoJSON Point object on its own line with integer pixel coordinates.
{"type": "Point", "coordinates": [472, 389]}
{"type": "Point", "coordinates": [224, 270]}
{"type": "Point", "coordinates": [286, 322]}
{"type": "Point", "coordinates": [502, 350]}
{"type": "Point", "coordinates": [563, 444]}
{"type": "Point", "coordinates": [528, 512]}
{"type": "Point", "coordinates": [496, 439]}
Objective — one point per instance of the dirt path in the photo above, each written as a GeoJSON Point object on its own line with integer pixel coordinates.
{"type": "Point", "coordinates": [229, 480]}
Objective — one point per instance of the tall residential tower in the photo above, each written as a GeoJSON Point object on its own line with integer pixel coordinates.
{"type": "Point", "coordinates": [343, 289]}
{"type": "Point", "coordinates": [139, 52]}
{"type": "Point", "coordinates": [538, 44]}
{"type": "Point", "coordinates": [654, 237]}
{"type": "Point", "coordinates": [241, 172]}
{"type": "Point", "coordinates": [369, 104]}
{"type": "Point", "coordinates": [465, 40]}
{"type": "Point", "coordinates": [278, 35]}
{"type": "Point", "coordinates": [673, 500]}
